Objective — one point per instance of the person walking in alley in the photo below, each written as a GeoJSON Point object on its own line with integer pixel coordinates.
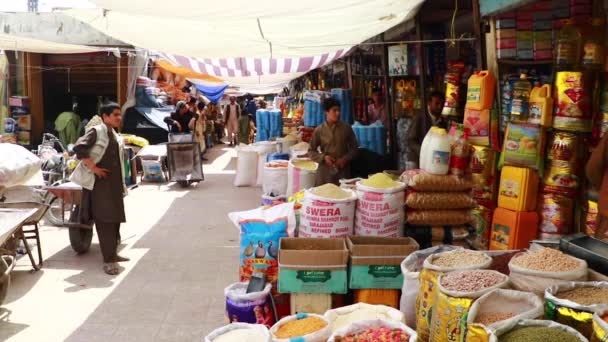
{"type": "Point", "coordinates": [182, 120]}
{"type": "Point", "coordinates": [101, 175]}
{"type": "Point", "coordinates": [597, 172]}
{"type": "Point", "coordinates": [333, 145]}
{"type": "Point", "coordinates": [231, 120]}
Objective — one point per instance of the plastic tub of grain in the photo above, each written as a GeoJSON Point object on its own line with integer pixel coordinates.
{"type": "Point", "coordinates": [302, 328]}
{"type": "Point", "coordinates": [457, 292]}
{"type": "Point", "coordinates": [344, 316]}
{"type": "Point", "coordinates": [535, 271]}
{"type": "Point", "coordinates": [239, 332]}
{"type": "Point", "coordinates": [574, 303]}
{"type": "Point", "coordinates": [600, 326]}
{"type": "Point", "coordinates": [537, 330]}
{"type": "Point", "coordinates": [434, 266]}
{"type": "Point", "coordinates": [497, 309]}
{"type": "Point", "coordinates": [374, 330]}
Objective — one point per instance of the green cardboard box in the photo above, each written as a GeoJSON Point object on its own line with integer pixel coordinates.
{"type": "Point", "coordinates": [375, 262]}
{"type": "Point", "coordinates": [313, 265]}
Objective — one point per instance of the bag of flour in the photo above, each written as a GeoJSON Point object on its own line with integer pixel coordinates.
{"type": "Point", "coordinates": [327, 212]}
{"type": "Point", "coordinates": [380, 211]}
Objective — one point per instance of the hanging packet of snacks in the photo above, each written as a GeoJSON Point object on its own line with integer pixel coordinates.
{"type": "Point", "coordinates": [457, 292]}
{"type": "Point", "coordinates": [591, 218]}
{"type": "Point", "coordinates": [453, 82]}
{"type": "Point", "coordinates": [434, 266]}
{"type": "Point", "coordinates": [600, 326]}
{"type": "Point", "coordinates": [460, 149]}
{"type": "Point", "coordinates": [482, 170]}
{"type": "Point", "coordinates": [573, 304]}
{"type": "Point", "coordinates": [497, 309]}
{"type": "Point", "coordinates": [573, 110]}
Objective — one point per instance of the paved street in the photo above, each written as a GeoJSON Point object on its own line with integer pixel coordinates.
{"type": "Point", "coordinates": [183, 253]}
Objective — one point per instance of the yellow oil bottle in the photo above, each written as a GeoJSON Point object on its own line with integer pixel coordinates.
{"type": "Point", "coordinates": [480, 90]}
{"type": "Point", "coordinates": [541, 106]}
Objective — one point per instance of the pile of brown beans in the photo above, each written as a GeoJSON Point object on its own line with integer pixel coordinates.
{"type": "Point", "coordinates": [488, 318]}
{"type": "Point", "coordinates": [471, 281]}
{"type": "Point", "coordinates": [585, 295]}
{"type": "Point", "coordinates": [546, 260]}
{"type": "Point", "coordinates": [460, 258]}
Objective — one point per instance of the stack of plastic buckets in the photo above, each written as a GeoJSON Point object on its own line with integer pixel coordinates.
{"type": "Point", "coordinates": [313, 113]}
{"type": "Point", "coordinates": [270, 124]}
{"type": "Point", "coordinates": [372, 137]}
{"type": "Point", "coordinates": [345, 97]}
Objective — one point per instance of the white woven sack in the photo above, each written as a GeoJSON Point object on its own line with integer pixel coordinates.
{"type": "Point", "coordinates": [317, 336]}
{"type": "Point", "coordinates": [363, 325]}
{"type": "Point", "coordinates": [322, 217]}
{"type": "Point", "coordinates": [299, 179]}
{"type": "Point", "coordinates": [263, 148]}
{"type": "Point", "coordinates": [380, 212]}
{"type": "Point", "coordinates": [255, 328]}
{"type": "Point", "coordinates": [383, 312]}
{"type": "Point", "coordinates": [275, 178]}
{"type": "Point", "coordinates": [246, 166]}
{"type": "Point", "coordinates": [524, 304]}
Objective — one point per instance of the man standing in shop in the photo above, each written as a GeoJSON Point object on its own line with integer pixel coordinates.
{"type": "Point", "coordinates": [423, 123]}
{"type": "Point", "coordinates": [231, 120]}
{"type": "Point", "coordinates": [333, 145]}
{"type": "Point", "coordinates": [101, 174]}
{"type": "Point", "coordinates": [597, 172]}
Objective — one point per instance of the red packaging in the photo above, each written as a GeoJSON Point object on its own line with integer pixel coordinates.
{"type": "Point", "coordinates": [556, 214]}
{"type": "Point", "coordinates": [525, 14]}
{"type": "Point", "coordinates": [525, 25]}
{"type": "Point", "coordinates": [541, 55]}
{"type": "Point", "coordinates": [509, 43]}
{"type": "Point", "coordinates": [580, 10]}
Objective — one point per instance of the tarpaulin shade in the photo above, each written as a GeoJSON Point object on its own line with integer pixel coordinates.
{"type": "Point", "coordinates": [187, 72]}
{"type": "Point", "coordinates": [25, 44]}
{"type": "Point", "coordinates": [211, 91]}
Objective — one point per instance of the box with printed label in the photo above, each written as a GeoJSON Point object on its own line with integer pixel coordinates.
{"type": "Point", "coordinates": [313, 265]}
{"type": "Point", "coordinates": [375, 261]}
{"type": "Point", "coordinates": [24, 122]}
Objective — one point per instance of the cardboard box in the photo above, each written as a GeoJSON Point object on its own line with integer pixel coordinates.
{"type": "Point", "coordinates": [19, 101]}
{"type": "Point", "coordinates": [375, 262]}
{"type": "Point", "coordinates": [313, 265]}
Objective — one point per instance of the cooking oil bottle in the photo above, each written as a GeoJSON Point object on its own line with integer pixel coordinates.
{"type": "Point", "coordinates": [568, 46]}
{"type": "Point", "coordinates": [593, 49]}
{"type": "Point", "coordinates": [521, 98]}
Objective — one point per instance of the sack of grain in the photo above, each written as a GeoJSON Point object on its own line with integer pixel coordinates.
{"type": "Point", "coordinates": [375, 330]}
{"type": "Point", "coordinates": [574, 303]}
{"type": "Point", "coordinates": [536, 330]}
{"type": "Point", "coordinates": [301, 328]}
{"type": "Point", "coordinates": [434, 266]}
{"type": "Point", "coordinates": [380, 209]}
{"type": "Point", "coordinates": [344, 316]}
{"type": "Point", "coordinates": [439, 200]}
{"type": "Point", "coordinates": [327, 212]}
{"type": "Point", "coordinates": [438, 217]}
{"type": "Point", "coordinates": [246, 166]}
{"type": "Point", "coordinates": [457, 292]}
{"type": "Point", "coordinates": [411, 267]}
{"type": "Point", "coordinates": [300, 175]}
{"type": "Point", "coordinates": [263, 148]}
{"type": "Point", "coordinates": [275, 178]}
{"type": "Point", "coordinates": [497, 309]}
{"type": "Point", "coordinates": [535, 271]}
{"type": "Point", "coordinates": [255, 307]}
{"type": "Point", "coordinates": [422, 181]}
{"type": "Point", "coordinates": [600, 326]}
{"type": "Point", "coordinates": [236, 332]}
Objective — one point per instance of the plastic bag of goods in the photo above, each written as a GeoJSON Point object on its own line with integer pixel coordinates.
{"type": "Point", "coordinates": [524, 146]}
{"type": "Point", "coordinates": [556, 216]}
{"type": "Point", "coordinates": [481, 222]}
{"type": "Point", "coordinates": [497, 309]}
{"type": "Point", "coordinates": [573, 110]}
{"type": "Point", "coordinates": [263, 148]}
{"type": "Point", "coordinates": [153, 171]}
{"type": "Point", "coordinates": [457, 292]}
{"type": "Point", "coordinates": [438, 217]}
{"type": "Point", "coordinates": [536, 330]}
{"type": "Point", "coordinates": [17, 165]}
{"type": "Point", "coordinates": [574, 303]}
{"type": "Point", "coordinates": [327, 212]}
{"type": "Point", "coordinates": [439, 200]}
{"type": "Point", "coordinates": [453, 81]}
{"type": "Point", "coordinates": [300, 175]}
{"type": "Point", "coordinates": [426, 182]}
{"type": "Point", "coordinates": [243, 307]}
{"type": "Point", "coordinates": [460, 149]}
{"type": "Point", "coordinates": [600, 326]}
{"type": "Point", "coordinates": [537, 270]}
{"type": "Point", "coordinates": [374, 330]}
{"type": "Point", "coordinates": [239, 332]}
{"type": "Point", "coordinates": [411, 267]}
{"type": "Point", "coordinates": [246, 166]}
{"type": "Point", "coordinates": [434, 266]}
{"type": "Point", "coordinates": [275, 177]}
{"type": "Point", "coordinates": [482, 171]}
{"type": "Point", "coordinates": [380, 207]}
{"type": "Point", "coordinates": [302, 328]}
{"type": "Point", "coordinates": [261, 229]}
{"type": "Point", "coordinates": [344, 316]}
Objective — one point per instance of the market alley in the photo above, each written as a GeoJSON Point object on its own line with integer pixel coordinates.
{"type": "Point", "coordinates": [183, 253]}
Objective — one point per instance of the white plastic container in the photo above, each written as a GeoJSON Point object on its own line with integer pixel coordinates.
{"type": "Point", "coordinates": [424, 147]}
{"type": "Point", "coordinates": [437, 153]}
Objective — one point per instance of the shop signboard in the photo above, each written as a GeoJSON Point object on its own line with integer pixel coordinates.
{"type": "Point", "coordinates": [397, 60]}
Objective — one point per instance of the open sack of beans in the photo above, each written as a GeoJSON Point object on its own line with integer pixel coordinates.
{"type": "Point", "coordinates": [457, 292]}
{"type": "Point", "coordinates": [374, 330]}
{"type": "Point", "coordinates": [301, 328]}
{"type": "Point", "coordinates": [497, 309]}
{"type": "Point", "coordinates": [434, 266]}
{"type": "Point", "coordinates": [600, 326]}
{"type": "Point", "coordinates": [537, 330]}
{"type": "Point", "coordinates": [239, 332]}
{"type": "Point", "coordinates": [411, 267]}
{"type": "Point", "coordinates": [535, 271]}
{"type": "Point", "coordinates": [345, 316]}
{"type": "Point", "coordinates": [574, 303]}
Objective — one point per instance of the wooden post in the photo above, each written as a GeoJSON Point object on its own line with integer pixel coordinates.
{"type": "Point", "coordinates": [33, 90]}
{"type": "Point", "coordinates": [122, 79]}
{"type": "Point", "coordinates": [422, 64]}
{"type": "Point", "coordinates": [480, 39]}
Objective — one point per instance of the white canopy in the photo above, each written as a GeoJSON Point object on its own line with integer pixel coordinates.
{"type": "Point", "coordinates": [18, 43]}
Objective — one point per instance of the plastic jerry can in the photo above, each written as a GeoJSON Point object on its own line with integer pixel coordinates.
{"type": "Point", "coordinates": [437, 155]}
{"type": "Point", "coordinates": [518, 188]}
{"type": "Point", "coordinates": [541, 106]}
{"type": "Point", "coordinates": [513, 229]}
{"type": "Point", "coordinates": [480, 90]}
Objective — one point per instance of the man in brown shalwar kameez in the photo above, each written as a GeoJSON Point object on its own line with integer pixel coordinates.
{"type": "Point", "coordinates": [333, 146]}
{"type": "Point", "coordinates": [101, 175]}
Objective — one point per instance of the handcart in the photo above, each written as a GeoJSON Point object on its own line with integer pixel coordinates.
{"type": "Point", "coordinates": [24, 234]}
{"type": "Point", "coordinates": [81, 234]}
{"type": "Point", "coordinates": [184, 159]}
{"type": "Point", "coordinates": [11, 220]}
